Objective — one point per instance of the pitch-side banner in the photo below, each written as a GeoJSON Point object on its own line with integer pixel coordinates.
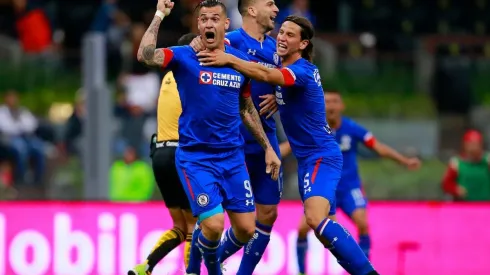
{"type": "Point", "coordinates": [108, 239]}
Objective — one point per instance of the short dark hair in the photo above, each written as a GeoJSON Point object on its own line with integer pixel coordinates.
{"type": "Point", "coordinates": [307, 33]}
{"type": "Point", "coordinates": [210, 4]}
{"type": "Point", "coordinates": [186, 39]}
{"type": "Point", "coordinates": [243, 5]}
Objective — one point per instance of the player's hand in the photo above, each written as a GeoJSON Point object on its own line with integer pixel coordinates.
{"type": "Point", "coordinates": [197, 45]}
{"type": "Point", "coordinates": [213, 58]}
{"type": "Point", "coordinates": [413, 163]}
{"type": "Point", "coordinates": [268, 106]}
{"type": "Point", "coordinates": [461, 192]}
{"type": "Point", "coordinates": [165, 6]}
{"type": "Point", "coordinates": [272, 163]}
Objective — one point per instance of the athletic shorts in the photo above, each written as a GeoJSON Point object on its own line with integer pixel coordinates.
{"type": "Point", "coordinates": [266, 190]}
{"type": "Point", "coordinates": [163, 164]}
{"type": "Point", "coordinates": [351, 199]}
{"type": "Point", "coordinates": [318, 176]}
{"type": "Point", "coordinates": [215, 177]}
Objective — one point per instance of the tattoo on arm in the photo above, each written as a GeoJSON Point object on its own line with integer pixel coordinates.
{"type": "Point", "coordinates": [147, 52]}
{"type": "Point", "coordinates": [251, 119]}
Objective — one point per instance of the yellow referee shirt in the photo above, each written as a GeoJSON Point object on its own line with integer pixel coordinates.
{"type": "Point", "coordinates": [168, 110]}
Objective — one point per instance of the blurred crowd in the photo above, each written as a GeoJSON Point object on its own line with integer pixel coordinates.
{"type": "Point", "coordinates": [50, 34]}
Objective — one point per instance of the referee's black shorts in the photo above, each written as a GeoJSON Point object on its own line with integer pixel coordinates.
{"type": "Point", "coordinates": [163, 164]}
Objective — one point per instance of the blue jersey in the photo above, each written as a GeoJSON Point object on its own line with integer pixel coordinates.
{"type": "Point", "coordinates": [210, 98]}
{"type": "Point", "coordinates": [348, 136]}
{"type": "Point", "coordinates": [302, 107]}
{"type": "Point", "coordinates": [263, 53]}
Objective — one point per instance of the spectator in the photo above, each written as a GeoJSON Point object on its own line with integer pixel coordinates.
{"type": "Point", "coordinates": [17, 129]}
{"type": "Point", "coordinates": [73, 131]}
{"type": "Point", "coordinates": [141, 88]}
{"type": "Point", "coordinates": [131, 179]}
{"type": "Point", "coordinates": [468, 175]}
{"type": "Point", "coordinates": [33, 27]}
{"type": "Point", "coordinates": [299, 8]}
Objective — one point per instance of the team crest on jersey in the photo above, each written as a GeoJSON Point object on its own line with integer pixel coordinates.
{"type": "Point", "coordinates": [205, 77]}
{"type": "Point", "coordinates": [276, 59]}
{"type": "Point", "coordinates": [345, 143]}
{"type": "Point", "coordinates": [203, 200]}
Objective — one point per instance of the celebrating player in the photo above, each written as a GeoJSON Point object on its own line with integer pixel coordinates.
{"type": "Point", "coordinates": [258, 19]}
{"type": "Point", "coordinates": [163, 146]}
{"type": "Point", "coordinates": [210, 160]}
{"type": "Point", "coordinates": [301, 103]}
{"type": "Point", "coordinates": [349, 195]}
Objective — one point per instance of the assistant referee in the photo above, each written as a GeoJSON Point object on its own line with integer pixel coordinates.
{"type": "Point", "coordinates": [163, 146]}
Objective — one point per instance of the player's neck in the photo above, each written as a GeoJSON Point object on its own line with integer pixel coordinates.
{"type": "Point", "coordinates": [290, 59]}
{"type": "Point", "coordinates": [335, 123]}
{"type": "Point", "coordinates": [221, 46]}
{"type": "Point", "coordinates": [253, 29]}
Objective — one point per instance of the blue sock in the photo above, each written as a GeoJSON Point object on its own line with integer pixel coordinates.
{"type": "Point", "coordinates": [229, 245]}
{"type": "Point", "coordinates": [301, 249]}
{"type": "Point", "coordinates": [209, 251]}
{"type": "Point", "coordinates": [345, 246]}
{"type": "Point", "coordinates": [365, 244]}
{"type": "Point", "coordinates": [195, 259]}
{"type": "Point", "coordinates": [255, 249]}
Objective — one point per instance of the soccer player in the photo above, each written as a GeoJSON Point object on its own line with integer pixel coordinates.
{"type": "Point", "coordinates": [258, 19]}
{"type": "Point", "coordinates": [163, 146]}
{"type": "Point", "coordinates": [349, 195]}
{"type": "Point", "coordinates": [210, 159]}
{"type": "Point", "coordinates": [301, 104]}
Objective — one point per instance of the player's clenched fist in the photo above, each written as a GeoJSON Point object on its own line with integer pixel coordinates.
{"type": "Point", "coordinates": [272, 163]}
{"type": "Point", "coordinates": [165, 6]}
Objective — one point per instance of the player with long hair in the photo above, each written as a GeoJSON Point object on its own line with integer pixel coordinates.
{"type": "Point", "coordinates": [299, 95]}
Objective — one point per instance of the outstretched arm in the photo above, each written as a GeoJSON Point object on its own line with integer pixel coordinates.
{"type": "Point", "coordinates": [281, 77]}
{"type": "Point", "coordinates": [147, 52]}
{"type": "Point", "coordinates": [387, 152]}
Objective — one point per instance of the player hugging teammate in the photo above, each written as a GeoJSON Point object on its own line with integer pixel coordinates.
{"type": "Point", "coordinates": [216, 117]}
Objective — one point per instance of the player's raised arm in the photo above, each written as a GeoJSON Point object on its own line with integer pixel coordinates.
{"type": "Point", "coordinates": [251, 119]}
{"type": "Point", "coordinates": [147, 52]}
{"type": "Point", "coordinates": [250, 69]}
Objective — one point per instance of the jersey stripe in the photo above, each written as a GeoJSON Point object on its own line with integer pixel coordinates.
{"type": "Point", "coordinates": [246, 90]}
{"type": "Point", "coordinates": [369, 140]}
{"type": "Point", "coordinates": [168, 56]}
{"type": "Point", "coordinates": [289, 77]}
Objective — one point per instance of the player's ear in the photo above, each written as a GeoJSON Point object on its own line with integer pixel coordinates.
{"type": "Point", "coordinates": [303, 44]}
{"type": "Point", "coordinates": [252, 11]}
{"type": "Point", "coordinates": [227, 24]}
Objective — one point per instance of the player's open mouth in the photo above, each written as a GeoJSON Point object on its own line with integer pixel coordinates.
{"type": "Point", "coordinates": [209, 36]}
{"type": "Point", "coordinates": [282, 46]}
{"type": "Point", "coordinates": [273, 19]}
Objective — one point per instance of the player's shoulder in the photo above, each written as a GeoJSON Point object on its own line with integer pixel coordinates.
{"type": "Point", "coordinates": [351, 123]}
{"type": "Point", "coordinates": [270, 41]}
{"type": "Point", "coordinates": [231, 50]}
{"type": "Point", "coordinates": [168, 78]}
{"type": "Point", "coordinates": [233, 36]}
{"type": "Point", "coordinates": [185, 49]}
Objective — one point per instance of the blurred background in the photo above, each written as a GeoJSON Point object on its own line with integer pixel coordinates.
{"type": "Point", "coordinates": [414, 72]}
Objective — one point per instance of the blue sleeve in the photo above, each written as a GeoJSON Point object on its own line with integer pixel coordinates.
{"type": "Point", "coordinates": [174, 56]}
{"type": "Point", "coordinates": [295, 75]}
{"type": "Point", "coordinates": [233, 38]}
{"type": "Point", "coordinates": [360, 133]}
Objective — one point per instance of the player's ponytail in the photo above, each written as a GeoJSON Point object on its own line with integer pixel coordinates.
{"type": "Point", "coordinates": [307, 33]}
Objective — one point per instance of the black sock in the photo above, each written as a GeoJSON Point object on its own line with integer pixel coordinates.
{"type": "Point", "coordinates": [167, 242]}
